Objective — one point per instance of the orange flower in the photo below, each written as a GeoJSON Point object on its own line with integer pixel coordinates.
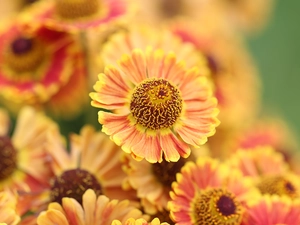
{"type": "Point", "coordinates": [158, 106]}
{"type": "Point", "coordinates": [36, 64]}
{"type": "Point", "coordinates": [23, 160]}
{"type": "Point", "coordinates": [209, 192]}
{"type": "Point", "coordinates": [94, 210]}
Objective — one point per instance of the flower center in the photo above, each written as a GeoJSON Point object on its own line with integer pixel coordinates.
{"type": "Point", "coordinates": [74, 9]}
{"type": "Point", "coordinates": [73, 184]}
{"type": "Point", "coordinates": [217, 206]}
{"type": "Point", "coordinates": [8, 158]}
{"type": "Point", "coordinates": [212, 64]}
{"type": "Point", "coordinates": [156, 104]}
{"type": "Point", "coordinates": [277, 185]}
{"type": "Point", "coordinates": [171, 8]}
{"type": "Point", "coordinates": [24, 54]}
{"type": "Point", "coordinates": [165, 172]}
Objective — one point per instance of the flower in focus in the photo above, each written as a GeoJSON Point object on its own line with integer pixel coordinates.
{"type": "Point", "coordinates": [208, 192]}
{"type": "Point", "coordinates": [72, 16]}
{"type": "Point", "coordinates": [270, 210]}
{"type": "Point", "coordinates": [23, 159]}
{"type": "Point", "coordinates": [8, 208]}
{"type": "Point", "coordinates": [93, 210]}
{"type": "Point", "coordinates": [158, 106]}
{"type": "Point", "coordinates": [36, 64]}
{"type": "Point", "coordinates": [140, 221]}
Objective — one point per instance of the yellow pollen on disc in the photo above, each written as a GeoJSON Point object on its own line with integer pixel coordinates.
{"type": "Point", "coordinates": [75, 9]}
{"type": "Point", "coordinates": [156, 104]}
{"type": "Point", "coordinates": [278, 185]}
{"type": "Point", "coordinates": [217, 206]}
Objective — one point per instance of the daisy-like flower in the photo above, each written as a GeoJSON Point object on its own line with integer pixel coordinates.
{"type": "Point", "coordinates": [273, 177]}
{"type": "Point", "coordinates": [270, 210]}
{"type": "Point", "coordinates": [8, 209]}
{"type": "Point", "coordinates": [73, 16]}
{"type": "Point", "coordinates": [159, 107]}
{"type": "Point", "coordinates": [139, 221]}
{"type": "Point", "coordinates": [93, 210]}
{"type": "Point", "coordinates": [34, 65]}
{"type": "Point", "coordinates": [93, 162]}
{"type": "Point", "coordinates": [23, 159]}
{"type": "Point", "coordinates": [208, 192]}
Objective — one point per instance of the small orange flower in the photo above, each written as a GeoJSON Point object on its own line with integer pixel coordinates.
{"type": "Point", "coordinates": [208, 192]}
{"type": "Point", "coordinates": [158, 106]}
{"type": "Point", "coordinates": [94, 210]}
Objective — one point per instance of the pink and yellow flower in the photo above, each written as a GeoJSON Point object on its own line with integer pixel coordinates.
{"type": "Point", "coordinates": [23, 162]}
{"type": "Point", "coordinates": [208, 192]}
{"type": "Point", "coordinates": [74, 16]}
{"type": "Point", "coordinates": [94, 210]}
{"type": "Point", "coordinates": [159, 107]}
{"type": "Point", "coordinates": [270, 210]}
{"type": "Point", "coordinates": [35, 64]}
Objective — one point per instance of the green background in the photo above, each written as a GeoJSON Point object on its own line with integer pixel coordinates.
{"type": "Point", "coordinates": [276, 51]}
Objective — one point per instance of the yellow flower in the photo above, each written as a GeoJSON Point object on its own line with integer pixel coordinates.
{"type": "Point", "coordinates": [8, 211]}
{"type": "Point", "coordinates": [140, 221]}
{"type": "Point", "coordinates": [159, 107]}
{"type": "Point", "coordinates": [94, 210]}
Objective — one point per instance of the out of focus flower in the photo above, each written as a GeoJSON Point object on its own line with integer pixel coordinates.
{"type": "Point", "coordinates": [153, 183]}
{"type": "Point", "coordinates": [93, 210]}
{"type": "Point", "coordinates": [35, 65]}
{"type": "Point", "coordinates": [269, 170]}
{"type": "Point", "coordinates": [159, 107]}
{"type": "Point", "coordinates": [72, 16]}
{"type": "Point", "coordinates": [270, 210]}
{"type": "Point", "coordinates": [8, 209]}
{"type": "Point", "coordinates": [23, 159]}
{"type": "Point", "coordinates": [140, 221]}
{"type": "Point", "coordinates": [207, 192]}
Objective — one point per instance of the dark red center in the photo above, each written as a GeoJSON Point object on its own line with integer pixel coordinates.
{"type": "Point", "coordinates": [21, 45]}
{"type": "Point", "coordinates": [8, 157]}
{"type": "Point", "coordinates": [226, 205]}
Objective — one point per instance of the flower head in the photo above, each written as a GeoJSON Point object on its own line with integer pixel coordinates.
{"type": "Point", "coordinates": [94, 210]}
{"type": "Point", "coordinates": [23, 159]}
{"type": "Point", "coordinates": [208, 191]}
{"type": "Point", "coordinates": [74, 16]}
{"type": "Point", "coordinates": [141, 221]}
{"type": "Point", "coordinates": [8, 208]}
{"type": "Point", "coordinates": [158, 106]}
{"type": "Point", "coordinates": [36, 64]}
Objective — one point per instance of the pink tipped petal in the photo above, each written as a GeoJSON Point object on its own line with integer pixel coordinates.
{"type": "Point", "coordinates": [173, 148]}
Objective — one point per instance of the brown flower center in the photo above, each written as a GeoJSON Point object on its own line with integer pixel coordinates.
{"type": "Point", "coordinates": [76, 9]}
{"type": "Point", "coordinates": [156, 104]}
{"type": "Point", "coordinates": [73, 184]}
{"type": "Point", "coordinates": [8, 158]}
{"type": "Point", "coordinates": [24, 54]}
{"type": "Point", "coordinates": [278, 185]}
{"type": "Point", "coordinates": [171, 8]}
{"type": "Point", "coordinates": [165, 172]}
{"type": "Point", "coordinates": [217, 206]}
